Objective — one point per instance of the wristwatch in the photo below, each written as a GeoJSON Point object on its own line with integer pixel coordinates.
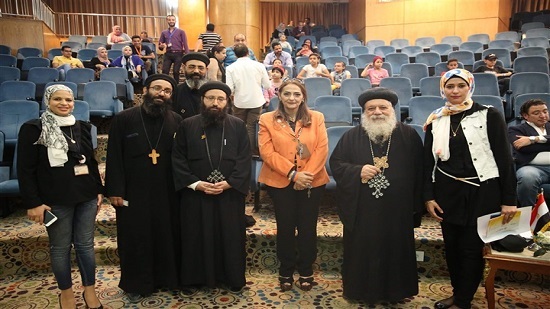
{"type": "Point", "coordinates": [533, 139]}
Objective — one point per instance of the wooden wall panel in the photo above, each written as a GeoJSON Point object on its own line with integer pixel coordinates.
{"type": "Point", "coordinates": [384, 13]}
{"type": "Point", "coordinates": [425, 11]}
{"type": "Point", "coordinates": [385, 33]}
{"type": "Point", "coordinates": [356, 17]}
{"type": "Point", "coordinates": [192, 19]}
{"type": "Point", "coordinates": [473, 9]}
{"type": "Point", "coordinates": [17, 33]}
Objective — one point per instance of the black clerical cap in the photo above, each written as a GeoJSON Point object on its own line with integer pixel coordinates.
{"type": "Point", "coordinates": [378, 93]}
{"type": "Point", "coordinates": [165, 77]}
{"type": "Point", "coordinates": [214, 85]}
{"type": "Point", "coordinates": [195, 56]}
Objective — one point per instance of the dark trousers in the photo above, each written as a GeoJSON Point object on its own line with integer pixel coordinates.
{"type": "Point", "coordinates": [295, 211]}
{"type": "Point", "coordinates": [175, 58]}
{"type": "Point", "coordinates": [464, 255]}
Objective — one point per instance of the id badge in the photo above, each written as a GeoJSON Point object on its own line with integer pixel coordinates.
{"type": "Point", "coordinates": [303, 151]}
{"type": "Point", "coordinates": [169, 44]}
{"type": "Point", "coordinates": [81, 169]}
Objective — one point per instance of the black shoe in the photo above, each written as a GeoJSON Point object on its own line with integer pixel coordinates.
{"type": "Point", "coordinates": [249, 220]}
{"type": "Point", "coordinates": [306, 283]}
{"type": "Point", "coordinates": [444, 303]}
{"type": "Point", "coordinates": [285, 283]}
{"type": "Point", "coordinates": [188, 291]}
{"type": "Point", "coordinates": [86, 303]}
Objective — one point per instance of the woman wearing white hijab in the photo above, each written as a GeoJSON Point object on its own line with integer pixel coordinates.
{"type": "Point", "coordinates": [58, 173]}
{"type": "Point", "coordinates": [469, 173]}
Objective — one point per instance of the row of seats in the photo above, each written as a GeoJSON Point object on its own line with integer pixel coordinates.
{"type": "Point", "coordinates": [40, 76]}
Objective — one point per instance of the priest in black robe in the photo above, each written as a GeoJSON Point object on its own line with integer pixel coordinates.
{"type": "Point", "coordinates": [187, 100]}
{"type": "Point", "coordinates": [378, 170]}
{"type": "Point", "coordinates": [140, 186]}
{"type": "Point", "coordinates": [211, 166]}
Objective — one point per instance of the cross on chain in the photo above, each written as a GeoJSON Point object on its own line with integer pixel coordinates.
{"type": "Point", "coordinates": [154, 155]}
{"type": "Point", "coordinates": [378, 182]}
{"type": "Point", "coordinates": [381, 162]}
{"type": "Point", "coordinates": [215, 177]}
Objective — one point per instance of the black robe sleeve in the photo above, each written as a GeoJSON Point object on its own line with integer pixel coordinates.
{"type": "Point", "coordinates": [239, 179]}
{"type": "Point", "coordinates": [115, 181]}
{"type": "Point", "coordinates": [347, 175]}
{"type": "Point", "coordinates": [183, 176]}
{"type": "Point", "coordinates": [417, 152]}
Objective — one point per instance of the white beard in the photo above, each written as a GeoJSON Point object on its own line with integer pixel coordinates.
{"type": "Point", "coordinates": [378, 128]}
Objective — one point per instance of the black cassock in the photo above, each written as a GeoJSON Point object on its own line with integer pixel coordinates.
{"type": "Point", "coordinates": [213, 227]}
{"type": "Point", "coordinates": [186, 101]}
{"type": "Point", "coordinates": [379, 248]}
{"type": "Point", "coordinates": [147, 233]}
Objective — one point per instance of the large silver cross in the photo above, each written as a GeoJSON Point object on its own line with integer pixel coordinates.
{"type": "Point", "coordinates": [215, 177]}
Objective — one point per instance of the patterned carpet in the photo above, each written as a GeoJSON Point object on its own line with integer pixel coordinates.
{"type": "Point", "coordinates": [26, 281]}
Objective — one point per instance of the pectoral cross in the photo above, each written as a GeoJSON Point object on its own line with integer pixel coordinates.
{"type": "Point", "coordinates": [154, 155]}
{"type": "Point", "coordinates": [381, 162]}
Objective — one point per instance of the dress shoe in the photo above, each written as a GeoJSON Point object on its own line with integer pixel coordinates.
{"type": "Point", "coordinates": [134, 297]}
{"type": "Point", "coordinates": [444, 303]}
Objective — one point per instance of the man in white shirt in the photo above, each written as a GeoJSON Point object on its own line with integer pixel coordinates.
{"type": "Point", "coordinates": [246, 78]}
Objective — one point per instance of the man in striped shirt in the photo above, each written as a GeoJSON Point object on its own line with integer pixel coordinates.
{"type": "Point", "coordinates": [208, 39]}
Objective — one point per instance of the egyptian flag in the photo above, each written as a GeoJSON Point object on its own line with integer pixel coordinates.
{"type": "Point", "coordinates": [540, 216]}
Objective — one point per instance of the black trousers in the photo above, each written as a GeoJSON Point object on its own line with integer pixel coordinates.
{"type": "Point", "coordinates": [295, 211]}
{"type": "Point", "coordinates": [464, 255]}
{"type": "Point", "coordinates": [175, 58]}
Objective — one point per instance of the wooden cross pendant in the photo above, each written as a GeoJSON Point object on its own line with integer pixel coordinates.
{"type": "Point", "coordinates": [381, 162]}
{"type": "Point", "coordinates": [154, 155]}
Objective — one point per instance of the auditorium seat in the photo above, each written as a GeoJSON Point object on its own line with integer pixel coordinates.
{"type": "Point", "coordinates": [415, 72]}
{"type": "Point", "coordinates": [349, 37]}
{"type": "Point", "coordinates": [301, 61]}
{"type": "Point", "coordinates": [382, 51]}
{"type": "Point", "coordinates": [399, 43]}
{"type": "Point", "coordinates": [9, 185]}
{"type": "Point", "coordinates": [336, 109]}
{"type": "Point", "coordinates": [352, 71]}
{"type": "Point", "coordinates": [7, 61]}
{"type": "Point", "coordinates": [442, 67]}
{"type": "Point", "coordinates": [483, 38]}
{"type": "Point", "coordinates": [75, 46]}
{"type": "Point", "coordinates": [474, 47]}
{"type": "Point", "coordinates": [506, 44]}
{"type": "Point", "coordinates": [419, 130]}
{"type": "Point", "coordinates": [465, 57]}
{"type": "Point", "coordinates": [95, 46]}
{"type": "Point", "coordinates": [531, 64]}
{"type": "Point", "coordinates": [428, 58]}
{"type": "Point", "coordinates": [538, 32]}
{"type": "Point", "coordinates": [119, 76]}
{"type": "Point", "coordinates": [443, 49]}
{"type": "Point", "coordinates": [532, 51]}
{"type": "Point", "coordinates": [361, 61]}
{"type": "Point", "coordinates": [502, 54]}
{"type": "Point", "coordinates": [372, 44]}
{"type": "Point", "coordinates": [412, 50]}
{"type": "Point", "coordinates": [513, 36]}
{"type": "Point", "coordinates": [397, 60]}
{"type": "Point", "coordinates": [102, 98]}
{"type": "Point", "coordinates": [337, 33]}
{"type": "Point", "coordinates": [25, 52]}
{"type": "Point", "coordinates": [316, 87]}
{"type": "Point", "coordinates": [99, 39]}
{"type": "Point", "coordinates": [13, 114]}
{"type": "Point", "coordinates": [80, 76]}
{"type": "Point", "coordinates": [86, 54]}
{"type": "Point", "coordinates": [421, 107]}
{"type": "Point", "coordinates": [522, 98]}
{"type": "Point", "coordinates": [429, 86]}
{"type": "Point", "coordinates": [346, 45]}
{"type": "Point", "coordinates": [119, 46]}
{"type": "Point", "coordinates": [535, 42]}
{"type": "Point", "coordinates": [41, 76]}
{"type": "Point", "coordinates": [352, 88]}
{"type": "Point", "coordinates": [524, 83]}
{"type": "Point", "coordinates": [17, 90]}
{"type": "Point", "coordinates": [9, 73]}
{"type": "Point", "coordinates": [486, 84]}
{"type": "Point", "coordinates": [403, 87]}
{"type": "Point", "coordinates": [54, 52]}
{"type": "Point", "coordinates": [330, 51]}
{"type": "Point", "coordinates": [490, 100]}
{"type": "Point", "coordinates": [114, 53]}
{"type": "Point", "coordinates": [532, 25]}
{"type": "Point", "coordinates": [425, 42]}
{"type": "Point", "coordinates": [354, 51]}
{"type": "Point", "coordinates": [5, 50]}
{"type": "Point", "coordinates": [33, 62]}
{"type": "Point", "coordinates": [324, 44]}
{"type": "Point", "coordinates": [329, 39]}
{"type": "Point", "coordinates": [452, 40]}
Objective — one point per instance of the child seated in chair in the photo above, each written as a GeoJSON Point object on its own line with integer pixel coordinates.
{"type": "Point", "coordinates": [451, 65]}
{"type": "Point", "coordinates": [338, 75]}
{"type": "Point", "coordinates": [304, 51]}
{"type": "Point", "coordinates": [277, 73]}
{"type": "Point", "coordinates": [314, 69]}
{"type": "Point", "coordinates": [279, 63]}
{"type": "Point", "coordinates": [375, 72]}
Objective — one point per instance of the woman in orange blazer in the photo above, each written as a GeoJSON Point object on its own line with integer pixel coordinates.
{"type": "Point", "coordinates": [294, 147]}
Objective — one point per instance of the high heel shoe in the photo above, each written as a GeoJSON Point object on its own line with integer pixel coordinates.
{"type": "Point", "coordinates": [86, 303]}
{"type": "Point", "coordinates": [306, 283]}
{"type": "Point", "coordinates": [285, 283]}
{"type": "Point", "coordinates": [59, 298]}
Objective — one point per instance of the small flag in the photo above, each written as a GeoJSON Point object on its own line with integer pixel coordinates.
{"type": "Point", "coordinates": [540, 216]}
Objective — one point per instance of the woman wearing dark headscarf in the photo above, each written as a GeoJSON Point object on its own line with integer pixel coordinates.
{"type": "Point", "coordinates": [58, 173]}
{"type": "Point", "coordinates": [280, 30]}
{"type": "Point", "coordinates": [101, 61]}
{"type": "Point", "coordinates": [468, 173]}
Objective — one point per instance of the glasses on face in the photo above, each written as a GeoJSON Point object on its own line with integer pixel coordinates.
{"type": "Point", "coordinates": [67, 51]}
{"type": "Point", "coordinates": [159, 88]}
{"type": "Point", "coordinates": [192, 67]}
{"type": "Point", "coordinates": [211, 98]}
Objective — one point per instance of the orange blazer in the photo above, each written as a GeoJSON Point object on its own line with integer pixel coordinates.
{"type": "Point", "coordinates": [277, 143]}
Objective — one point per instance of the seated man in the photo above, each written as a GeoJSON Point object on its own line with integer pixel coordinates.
{"type": "Point", "coordinates": [143, 52]}
{"type": "Point", "coordinates": [531, 143]}
{"type": "Point", "coordinates": [501, 73]}
{"type": "Point", "coordinates": [278, 53]}
{"type": "Point", "coordinates": [66, 62]}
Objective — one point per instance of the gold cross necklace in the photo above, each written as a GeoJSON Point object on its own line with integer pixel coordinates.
{"type": "Point", "coordinates": [154, 154]}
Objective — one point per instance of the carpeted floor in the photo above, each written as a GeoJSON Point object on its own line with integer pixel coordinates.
{"type": "Point", "coordinates": [26, 281]}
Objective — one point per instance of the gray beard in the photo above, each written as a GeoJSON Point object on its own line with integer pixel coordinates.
{"type": "Point", "coordinates": [378, 131]}
{"type": "Point", "coordinates": [195, 83]}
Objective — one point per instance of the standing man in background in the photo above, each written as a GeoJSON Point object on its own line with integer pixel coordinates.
{"type": "Point", "coordinates": [208, 39]}
{"type": "Point", "coordinates": [175, 42]}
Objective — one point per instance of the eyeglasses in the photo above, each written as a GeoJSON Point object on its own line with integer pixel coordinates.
{"type": "Point", "coordinates": [159, 88]}
{"type": "Point", "coordinates": [193, 67]}
{"type": "Point", "coordinates": [212, 98]}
